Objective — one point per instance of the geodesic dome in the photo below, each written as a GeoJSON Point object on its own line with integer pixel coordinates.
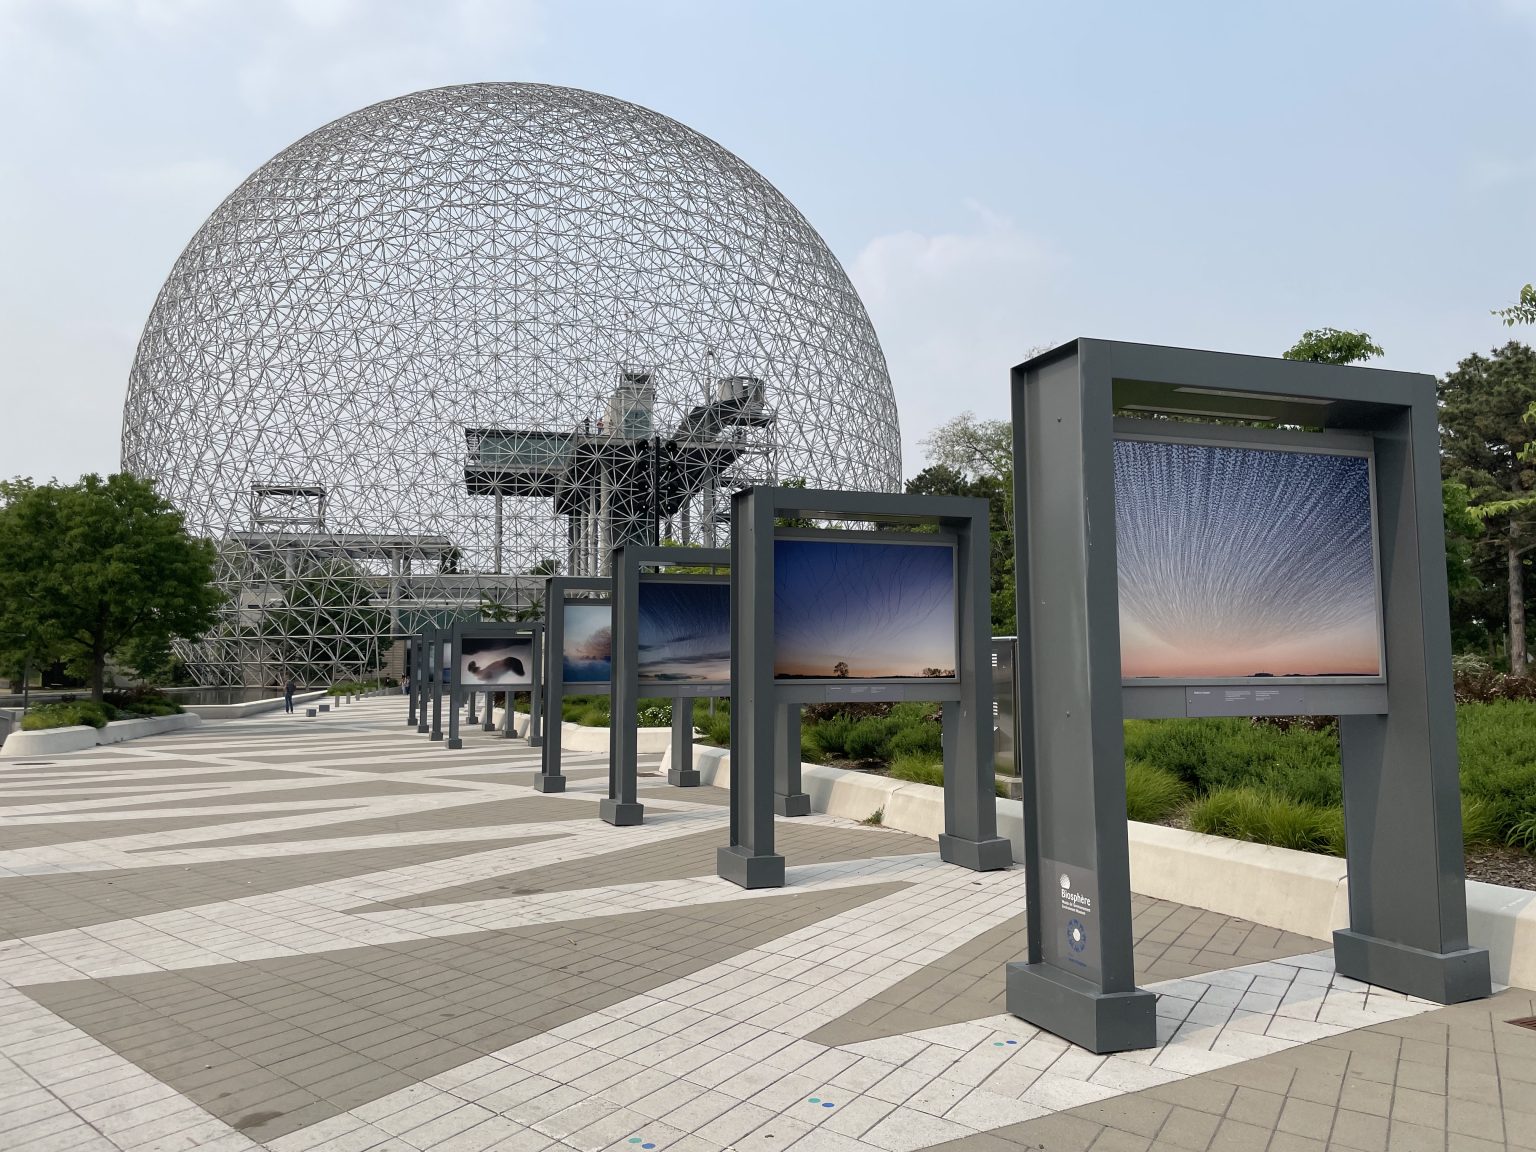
{"type": "Point", "coordinates": [479, 332]}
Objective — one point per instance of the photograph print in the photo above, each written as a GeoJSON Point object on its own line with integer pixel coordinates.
{"type": "Point", "coordinates": [684, 633]}
{"type": "Point", "coordinates": [1237, 563]}
{"type": "Point", "coordinates": [854, 610]}
{"type": "Point", "coordinates": [496, 662]}
{"type": "Point", "coordinates": [587, 656]}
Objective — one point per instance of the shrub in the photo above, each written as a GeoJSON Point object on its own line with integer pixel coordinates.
{"type": "Point", "coordinates": [654, 716]}
{"type": "Point", "coordinates": [1479, 822]}
{"type": "Point", "coordinates": [1152, 793]}
{"type": "Point", "coordinates": [68, 714]}
{"type": "Point", "coordinates": [1232, 753]}
{"type": "Point", "coordinates": [1523, 834]}
{"type": "Point", "coordinates": [922, 738]}
{"type": "Point", "coordinates": [918, 769]}
{"type": "Point", "coordinates": [869, 739]}
{"type": "Point", "coordinates": [143, 701]}
{"type": "Point", "coordinates": [1265, 818]}
{"type": "Point", "coordinates": [830, 736]}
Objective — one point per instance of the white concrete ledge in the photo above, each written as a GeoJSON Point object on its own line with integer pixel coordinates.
{"type": "Point", "coordinates": [78, 737]}
{"type": "Point", "coordinates": [1297, 891]}
{"type": "Point", "coordinates": [119, 730]}
{"type": "Point", "coordinates": [583, 738]}
{"type": "Point", "coordinates": [250, 707]}
{"type": "Point", "coordinates": [47, 741]}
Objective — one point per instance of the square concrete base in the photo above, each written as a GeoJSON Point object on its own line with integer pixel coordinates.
{"type": "Point", "coordinates": [310, 712]}
{"type": "Point", "coordinates": [535, 741]}
{"type": "Point", "coordinates": [423, 729]}
{"type": "Point", "coordinates": [411, 723]}
{"type": "Point", "coordinates": [794, 804]}
{"type": "Point", "coordinates": [740, 867]}
{"type": "Point", "coordinates": [992, 855]}
{"type": "Point", "coordinates": [683, 778]}
{"type": "Point", "coordinates": [1077, 1010]}
{"type": "Point", "coordinates": [454, 743]}
{"type": "Point", "coordinates": [1444, 977]}
{"type": "Point", "coordinates": [435, 736]}
{"type": "Point", "coordinates": [325, 707]}
{"type": "Point", "coordinates": [549, 783]}
{"type": "Point", "coordinates": [622, 815]}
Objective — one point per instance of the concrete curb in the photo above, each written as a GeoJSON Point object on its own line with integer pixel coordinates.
{"type": "Point", "coordinates": [1296, 891]}
{"type": "Point", "coordinates": [581, 738]}
{"type": "Point", "coordinates": [78, 737]}
{"type": "Point", "coordinates": [250, 707]}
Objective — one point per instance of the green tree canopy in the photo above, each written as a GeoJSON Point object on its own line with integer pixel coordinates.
{"type": "Point", "coordinates": [98, 569]}
{"type": "Point", "coordinates": [1484, 439]}
{"type": "Point", "coordinates": [1333, 346]}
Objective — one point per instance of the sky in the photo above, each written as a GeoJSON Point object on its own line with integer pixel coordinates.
{"type": "Point", "coordinates": [995, 176]}
{"type": "Point", "coordinates": [882, 609]}
{"type": "Point", "coordinates": [1244, 562]}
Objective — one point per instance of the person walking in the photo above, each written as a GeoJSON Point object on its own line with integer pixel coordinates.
{"type": "Point", "coordinates": [288, 690]}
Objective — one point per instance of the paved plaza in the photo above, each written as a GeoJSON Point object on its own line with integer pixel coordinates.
{"type": "Point", "coordinates": [329, 933]}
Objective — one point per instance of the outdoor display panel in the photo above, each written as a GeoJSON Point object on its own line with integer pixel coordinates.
{"type": "Point", "coordinates": [1242, 561]}
{"type": "Point", "coordinates": [1253, 571]}
{"type": "Point", "coordinates": [851, 607]}
{"type": "Point", "coordinates": [495, 662]}
{"type": "Point", "coordinates": [586, 649]}
{"type": "Point", "coordinates": [683, 632]}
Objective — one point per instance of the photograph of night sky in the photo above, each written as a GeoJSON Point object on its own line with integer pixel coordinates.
{"type": "Point", "coordinates": [846, 609]}
{"type": "Point", "coordinates": [1244, 562]}
{"type": "Point", "coordinates": [684, 633]}
{"type": "Point", "coordinates": [587, 644]}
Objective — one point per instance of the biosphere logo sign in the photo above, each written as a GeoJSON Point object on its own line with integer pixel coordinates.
{"type": "Point", "coordinates": [1077, 902]}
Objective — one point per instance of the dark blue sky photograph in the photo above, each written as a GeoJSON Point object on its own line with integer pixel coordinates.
{"type": "Point", "coordinates": [846, 608]}
{"type": "Point", "coordinates": [587, 643]}
{"type": "Point", "coordinates": [684, 632]}
{"type": "Point", "coordinates": [1237, 562]}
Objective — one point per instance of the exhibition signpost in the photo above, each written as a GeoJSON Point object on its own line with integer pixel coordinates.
{"type": "Point", "coordinates": [1291, 570]}
{"type": "Point", "coordinates": [493, 657]}
{"type": "Point", "coordinates": [671, 636]}
{"type": "Point", "coordinates": [841, 615]}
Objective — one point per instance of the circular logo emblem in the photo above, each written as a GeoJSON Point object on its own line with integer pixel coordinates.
{"type": "Point", "coordinates": [1077, 935]}
{"type": "Point", "coordinates": [1065, 881]}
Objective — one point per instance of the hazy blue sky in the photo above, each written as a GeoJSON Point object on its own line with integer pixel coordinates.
{"type": "Point", "coordinates": [994, 176]}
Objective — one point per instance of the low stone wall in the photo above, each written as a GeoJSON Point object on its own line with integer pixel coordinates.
{"type": "Point", "coordinates": [581, 738]}
{"type": "Point", "coordinates": [78, 737]}
{"type": "Point", "coordinates": [250, 707]}
{"type": "Point", "coordinates": [1297, 891]}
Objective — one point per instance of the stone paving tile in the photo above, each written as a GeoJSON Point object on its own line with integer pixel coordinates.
{"type": "Point", "coordinates": [191, 778]}
{"type": "Point", "coordinates": [18, 837]}
{"type": "Point", "coordinates": [677, 858]}
{"type": "Point", "coordinates": [1272, 1102]}
{"type": "Point", "coordinates": [489, 814]}
{"type": "Point", "coordinates": [22, 800]}
{"type": "Point", "coordinates": [30, 905]}
{"type": "Point", "coordinates": [347, 791]}
{"type": "Point", "coordinates": [965, 984]}
{"type": "Point", "coordinates": [272, 1045]}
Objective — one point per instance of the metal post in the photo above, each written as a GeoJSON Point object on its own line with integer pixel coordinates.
{"type": "Point", "coordinates": [622, 806]}
{"type": "Point", "coordinates": [750, 860]}
{"type": "Point", "coordinates": [682, 774]}
{"type": "Point", "coordinates": [438, 672]}
{"type": "Point", "coordinates": [423, 680]}
{"type": "Point", "coordinates": [789, 797]}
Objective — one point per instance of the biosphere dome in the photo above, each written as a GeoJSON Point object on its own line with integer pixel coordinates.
{"type": "Point", "coordinates": [472, 335]}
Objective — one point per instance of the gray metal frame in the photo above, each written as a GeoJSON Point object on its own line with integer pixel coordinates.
{"type": "Point", "coordinates": [478, 629]}
{"type": "Point", "coordinates": [1408, 925]}
{"type": "Point", "coordinates": [550, 778]}
{"type": "Point", "coordinates": [759, 726]}
{"type": "Point", "coordinates": [413, 691]}
{"type": "Point", "coordinates": [621, 806]}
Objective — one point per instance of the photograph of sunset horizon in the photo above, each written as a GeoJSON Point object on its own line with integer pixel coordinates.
{"type": "Point", "coordinates": [587, 643]}
{"type": "Point", "coordinates": [1240, 562]}
{"type": "Point", "coordinates": [683, 633]}
{"type": "Point", "coordinates": [846, 609]}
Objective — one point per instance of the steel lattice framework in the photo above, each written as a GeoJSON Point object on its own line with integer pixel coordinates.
{"type": "Point", "coordinates": [471, 335]}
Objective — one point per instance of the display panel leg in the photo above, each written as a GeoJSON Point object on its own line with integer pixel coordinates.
{"type": "Point", "coordinates": [549, 778]}
{"type": "Point", "coordinates": [437, 709]}
{"type": "Point", "coordinates": [470, 717]}
{"type": "Point", "coordinates": [1402, 825]}
{"type": "Point", "coordinates": [682, 774]}
{"type": "Point", "coordinates": [750, 861]}
{"type": "Point", "coordinates": [535, 720]}
{"type": "Point", "coordinates": [454, 743]}
{"type": "Point", "coordinates": [789, 798]}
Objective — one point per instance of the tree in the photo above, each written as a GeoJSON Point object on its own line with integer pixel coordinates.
{"type": "Point", "coordinates": [99, 569]}
{"type": "Point", "coordinates": [1485, 444]}
{"type": "Point", "coordinates": [971, 457]}
{"type": "Point", "coordinates": [840, 669]}
{"type": "Point", "coordinates": [1333, 346]}
{"type": "Point", "coordinates": [1522, 311]}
